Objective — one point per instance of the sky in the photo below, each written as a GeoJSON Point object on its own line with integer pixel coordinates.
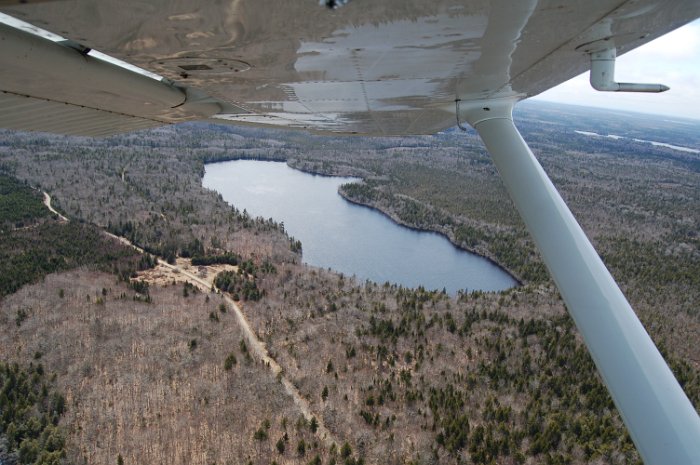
{"type": "Point", "coordinates": [672, 59]}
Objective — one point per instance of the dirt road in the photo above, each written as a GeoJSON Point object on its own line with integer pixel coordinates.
{"type": "Point", "coordinates": [47, 202]}
{"type": "Point", "coordinates": [255, 345]}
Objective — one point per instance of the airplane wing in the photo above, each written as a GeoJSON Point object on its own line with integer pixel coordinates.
{"type": "Point", "coordinates": [371, 67]}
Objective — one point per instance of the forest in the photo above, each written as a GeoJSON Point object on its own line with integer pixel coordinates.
{"type": "Point", "coordinates": [34, 245]}
{"type": "Point", "coordinates": [31, 409]}
{"type": "Point", "coordinates": [395, 375]}
{"type": "Point", "coordinates": [20, 205]}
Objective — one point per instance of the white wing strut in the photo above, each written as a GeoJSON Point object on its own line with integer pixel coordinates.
{"type": "Point", "coordinates": [661, 420]}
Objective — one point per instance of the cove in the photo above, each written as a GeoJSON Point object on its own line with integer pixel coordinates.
{"type": "Point", "coordinates": [348, 238]}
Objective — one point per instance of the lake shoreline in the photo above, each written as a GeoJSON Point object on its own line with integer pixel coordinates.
{"type": "Point", "coordinates": [442, 233]}
{"type": "Point", "coordinates": [351, 172]}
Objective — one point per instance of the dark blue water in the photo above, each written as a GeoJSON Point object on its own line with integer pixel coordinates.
{"type": "Point", "coordinates": [348, 238]}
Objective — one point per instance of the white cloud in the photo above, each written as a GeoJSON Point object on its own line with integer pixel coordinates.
{"type": "Point", "coordinates": [681, 43]}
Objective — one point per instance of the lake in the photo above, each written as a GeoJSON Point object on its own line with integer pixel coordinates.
{"type": "Point", "coordinates": [349, 238]}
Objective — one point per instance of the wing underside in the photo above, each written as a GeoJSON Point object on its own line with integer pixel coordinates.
{"type": "Point", "coordinates": [23, 112]}
{"type": "Point", "coordinates": [390, 67]}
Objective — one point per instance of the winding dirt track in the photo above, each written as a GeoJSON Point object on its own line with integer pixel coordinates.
{"type": "Point", "coordinates": [258, 349]}
{"type": "Point", "coordinates": [47, 202]}
{"type": "Point", "coordinates": [256, 346]}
